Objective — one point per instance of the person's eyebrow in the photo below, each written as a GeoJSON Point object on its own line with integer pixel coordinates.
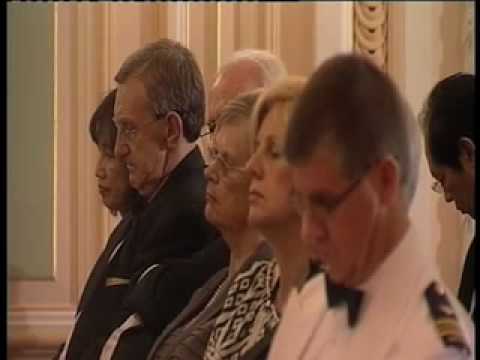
{"type": "Point", "coordinates": [320, 197]}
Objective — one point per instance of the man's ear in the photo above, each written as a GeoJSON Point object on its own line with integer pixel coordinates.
{"type": "Point", "coordinates": [388, 180]}
{"type": "Point", "coordinates": [174, 129]}
{"type": "Point", "coordinates": [467, 154]}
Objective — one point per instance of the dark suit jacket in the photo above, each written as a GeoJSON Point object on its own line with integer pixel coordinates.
{"type": "Point", "coordinates": [181, 341]}
{"type": "Point", "coordinates": [170, 231]}
{"type": "Point", "coordinates": [186, 341]}
{"type": "Point", "coordinates": [98, 274]}
{"type": "Point", "coordinates": [96, 280]}
{"type": "Point", "coordinates": [467, 283]}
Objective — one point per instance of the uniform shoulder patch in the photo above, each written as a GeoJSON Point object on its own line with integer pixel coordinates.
{"type": "Point", "coordinates": [445, 319]}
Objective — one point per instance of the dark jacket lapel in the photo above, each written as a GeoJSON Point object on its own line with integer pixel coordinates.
{"type": "Point", "coordinates": [182, 195]}
{"type": "Point", "coordinates": [98, 274]}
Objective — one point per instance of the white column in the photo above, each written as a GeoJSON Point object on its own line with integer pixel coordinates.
{"type": "Point", "coordinates": [333, 29]}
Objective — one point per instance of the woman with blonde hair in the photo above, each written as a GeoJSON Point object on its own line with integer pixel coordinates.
{"type": "Point", "coordinates": [252, 310]}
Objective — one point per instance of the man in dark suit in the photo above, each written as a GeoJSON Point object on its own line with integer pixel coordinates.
{"type": "Point", "coordinates": [169, 250]}
{"type": "Point", "coordinates": [448, 118]}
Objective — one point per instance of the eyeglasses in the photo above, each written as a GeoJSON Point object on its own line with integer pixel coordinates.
{"type": "Point", "coordinates": [210, 129]}
{"type": "Point", "coordinates": [438, 187]}
{"type": "Point", "coordinates": [129, 132]}
{"type": "Point", "coordinates": [322, 208]}
{"type": "Point", "coordinates": [224, 166]}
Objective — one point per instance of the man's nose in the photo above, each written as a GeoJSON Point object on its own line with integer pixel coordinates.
{"type": "Point", "coordinates": [253, 166]}
{"type": "Point", "coordinates": [100, 172]}
{"type": "Point", "coordinates": [211, 173]}
{"type": "Point", "coordinates": [311, 229]}
{"type": "Point", "coordinates": [121, 149]}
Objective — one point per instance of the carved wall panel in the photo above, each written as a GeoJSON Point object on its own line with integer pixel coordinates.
{"type": "Point", "coordinates": [371, 30]}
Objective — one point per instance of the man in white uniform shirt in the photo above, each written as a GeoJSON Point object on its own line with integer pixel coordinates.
{"type": "Point", "coordinates": [354, 149]}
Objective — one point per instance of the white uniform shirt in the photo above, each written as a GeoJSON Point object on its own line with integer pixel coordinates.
{"type": "Point", "coordinates": [394, 320]}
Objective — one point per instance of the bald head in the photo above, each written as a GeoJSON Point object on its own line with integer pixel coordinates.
{"type": "Point", "coordinates": [245, 71]}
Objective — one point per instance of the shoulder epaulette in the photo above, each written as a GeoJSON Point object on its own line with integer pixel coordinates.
{"type": "Point", "coordinates": [444, 318]}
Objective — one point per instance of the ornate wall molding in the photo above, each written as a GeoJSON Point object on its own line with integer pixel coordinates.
{"type": "Point", "coordinates": [371, 30]}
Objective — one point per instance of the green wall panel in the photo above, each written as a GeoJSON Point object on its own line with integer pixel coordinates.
{"type": "Point", "coordinates": [30, 139]}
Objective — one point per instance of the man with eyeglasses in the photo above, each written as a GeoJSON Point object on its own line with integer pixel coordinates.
{"type": "Point", "coordinates": [245, 70]}
{"type": "Point", "coordinates": [447, 120]}
{"type": "Point", "coordinates": [170, 250]}
{"type": "Point", "coordinates": [354, 150]}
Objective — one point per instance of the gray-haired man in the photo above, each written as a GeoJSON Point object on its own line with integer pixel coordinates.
{"type": "Point", "coordinates": [169, 249]}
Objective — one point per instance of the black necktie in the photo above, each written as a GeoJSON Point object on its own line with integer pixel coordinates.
{"type": "Point", "coordinates": [337, 294]}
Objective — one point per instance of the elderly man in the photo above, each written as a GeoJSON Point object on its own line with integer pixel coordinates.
{"type": "Point", "coordinates": [354, 153]}
{"type": "Point", "coordinates": [170, 249]}
{"type": "Point", "coordinates": [447, 120]}
{"type": "Point", "coordinates": [246, 70]}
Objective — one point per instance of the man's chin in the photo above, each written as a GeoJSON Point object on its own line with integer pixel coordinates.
{"type": "Point", "coordinates": [135, 183]}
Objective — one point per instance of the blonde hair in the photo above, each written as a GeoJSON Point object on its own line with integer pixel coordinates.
{"type": "Point", "coordinates": [284, 94]}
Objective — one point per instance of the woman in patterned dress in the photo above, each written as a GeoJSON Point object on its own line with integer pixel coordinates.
{"type": "Point", "coordinates": [252, 310]}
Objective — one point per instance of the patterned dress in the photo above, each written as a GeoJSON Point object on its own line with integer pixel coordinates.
{"type": "Point", "coordinates": [247, 314]}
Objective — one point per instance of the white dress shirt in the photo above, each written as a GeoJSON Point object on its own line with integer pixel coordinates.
{"type": "Point", "coordinates": [394, 320]}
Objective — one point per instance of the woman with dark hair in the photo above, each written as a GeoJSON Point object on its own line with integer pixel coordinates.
{"type": "Point", "coordinates": [92, 320]}
{"type": "Point", "coordinates": [112, 174]}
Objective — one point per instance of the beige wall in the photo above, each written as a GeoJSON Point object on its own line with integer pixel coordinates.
{"type": "Point", "coordinates": [93, 39]}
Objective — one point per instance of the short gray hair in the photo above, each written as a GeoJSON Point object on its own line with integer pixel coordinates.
{"type": "Point", "coordinates": [172, 80]}
{"type": "Point", "coordinates": [271, 67]}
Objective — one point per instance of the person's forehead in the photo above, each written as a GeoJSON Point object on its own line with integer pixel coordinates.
{"type": "Point", "coordinates": [228, 136]}
{"type": "Point", "coordinates": [322, 167]}
{"type": "Point", "coordinates": [231, 143]}
{"type": "Point", "coordinates": [225, 90]}
{"type": "Point", "coordinates": [236, 79]}
{"type": "Point", "coordinates": [131, 96]}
